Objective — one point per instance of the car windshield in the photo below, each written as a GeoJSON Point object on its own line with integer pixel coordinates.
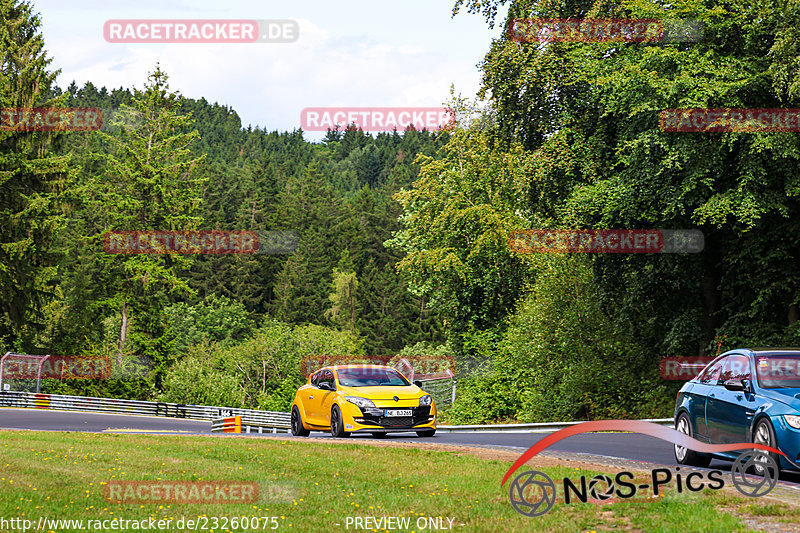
{"type": "Point", "coordinates": [371, 377]}
{"type": "Point", "coordinates": [778, 371]}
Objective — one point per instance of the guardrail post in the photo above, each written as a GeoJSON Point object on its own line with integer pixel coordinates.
{"type": "Point", "coordinates": [453, 399]}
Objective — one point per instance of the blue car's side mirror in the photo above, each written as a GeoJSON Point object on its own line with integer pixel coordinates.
{"type": "Point", "coordinates": [736, 385]}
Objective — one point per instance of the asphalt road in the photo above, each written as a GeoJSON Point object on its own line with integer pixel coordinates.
{"type": "Point", "coordinates": [630, 446]}
{"type": "Point", "coordinates": [48, 420]}
{"type": "Point", "coordinates": [619, 446]}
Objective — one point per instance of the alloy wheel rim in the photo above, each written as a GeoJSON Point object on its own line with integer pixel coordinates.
{"type": "Point", "coordinates": [762, 437]}
{"type": "Point", "coordinates": [335, 422]}
{"type": "Point", "coordinates": [295, 423]}
{"type": "Point", "coordinates": [683, 427]}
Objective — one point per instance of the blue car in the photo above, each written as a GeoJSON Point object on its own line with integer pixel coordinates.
{"type": "Point", "coordinates": [744, 395]}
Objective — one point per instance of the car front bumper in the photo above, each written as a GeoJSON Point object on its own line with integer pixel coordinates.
{"type": "Point", "coordinates": [372, 419]}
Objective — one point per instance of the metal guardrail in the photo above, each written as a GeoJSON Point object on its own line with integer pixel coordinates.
{"type": "Point", "coordinates": [234, 424]}
{"type": "Point", "coordinates": [544, 427]}
{"type": "Point", "coordinates": [264, 419]}
{"type": "Point", "coordinates": [251, 421]}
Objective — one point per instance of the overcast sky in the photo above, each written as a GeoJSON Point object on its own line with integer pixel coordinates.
{"type": "Point", "coordinates": [360, 53]}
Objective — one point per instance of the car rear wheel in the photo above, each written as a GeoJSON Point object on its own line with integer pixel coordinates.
{"type": "Point", "coordinates": [764, 434]}
{"type": "Point", "coordinates": [297, 424]}
{"type": "Point", "coordinates": [337, 424]}
{"type": "Point", "coordinates": [683, 455]}
{"type": "Point", "coordinates": [426, 433]}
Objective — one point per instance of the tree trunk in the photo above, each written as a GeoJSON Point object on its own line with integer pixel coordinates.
{"type": "Point", "coordinates": [123, 332]}
{"type": "Point", "coordinates": [711, 296]}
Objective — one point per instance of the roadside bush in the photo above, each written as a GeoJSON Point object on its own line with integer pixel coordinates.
{"type": "Point", "coordinates": [261, 372]}
{"type": "Point", "coordinates": [563, 357]}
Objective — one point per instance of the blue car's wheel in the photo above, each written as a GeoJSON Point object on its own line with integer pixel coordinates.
{"type": "Point", "coordinates": [683, 455]}
{"type": "Point", "coordinates": [764, 434]}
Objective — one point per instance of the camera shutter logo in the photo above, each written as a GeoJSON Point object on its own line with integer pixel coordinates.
{"type": "Point", "coordinates": [532, 493]}
{"type": "Point", "coordinates": [764, 473]}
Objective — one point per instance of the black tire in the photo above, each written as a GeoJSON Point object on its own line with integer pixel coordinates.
{"type": "Point", "coordinates": [685, 456]}
{"type": "Point", "coordinates": [426, 433]}
{"type": "Point", "coordinates": [379, 435]}
{"type": "Point", "coordinates": [297, 424]}
{"type": "Point", "coordinates": [764, 434]}
{"type": "Point", "coordinates": [337, 424]}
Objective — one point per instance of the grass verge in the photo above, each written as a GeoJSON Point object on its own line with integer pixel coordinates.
{"type": "Point", "coordinates": [313, 486]}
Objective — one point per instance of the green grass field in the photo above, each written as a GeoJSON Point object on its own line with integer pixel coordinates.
{"type": "Point", "coordinates": [312, 486]}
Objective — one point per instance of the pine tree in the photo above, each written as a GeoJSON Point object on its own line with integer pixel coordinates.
{"type": "Point", "coordinates": [150, 184]}
{"type": "Point", "coordinates": [31, 176]}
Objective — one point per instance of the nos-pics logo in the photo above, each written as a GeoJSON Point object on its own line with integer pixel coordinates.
{"type": "Point", "coordinates": [533, 493]}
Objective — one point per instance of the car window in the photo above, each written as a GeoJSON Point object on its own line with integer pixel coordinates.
{"type": "Point", "coordinates": [778, 371]}
{"type": "Point", "coordinates": [735, 367]}
{"type": "Point", "coordinates": [315, 378]}
{"type": "Point", "coordinates": [711, 375]}
{"type": "Point", "coordinates": [371, 377]}
{"type": "Point", "coordinates": [325, 375]}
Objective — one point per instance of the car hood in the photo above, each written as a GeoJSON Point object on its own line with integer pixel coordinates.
{"type": "Point", "coordinates": [384, 392]}
{"type": "Point", "coordinates": [790, 397]}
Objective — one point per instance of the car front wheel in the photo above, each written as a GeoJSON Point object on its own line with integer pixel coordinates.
{"type": "Point", "coordinates": [765, 435]}
{"type": "Point", "coordinates": [297, 424]}
{"type": "Point", "coordinates": [337, 424]}
{"type": "Point", "coordinates": [683, 455]}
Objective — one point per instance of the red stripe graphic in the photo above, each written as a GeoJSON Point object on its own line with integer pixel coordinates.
{"type": "Point", "coordinates": [635, 426]}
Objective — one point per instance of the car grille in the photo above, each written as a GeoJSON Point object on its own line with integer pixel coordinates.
{"type": "Point", "coordinates": [396, 421]}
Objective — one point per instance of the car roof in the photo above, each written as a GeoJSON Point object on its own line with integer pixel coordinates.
{"type": "Point", "coordinates": [770, 350]}
{"type": "Point", "coordinates": [340, 367]}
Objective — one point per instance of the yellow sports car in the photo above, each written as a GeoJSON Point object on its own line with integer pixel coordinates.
{"type": "Point", "coordinates": [373, 399]}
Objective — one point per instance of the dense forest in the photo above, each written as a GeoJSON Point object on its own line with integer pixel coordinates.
{"type": "Point", "coordinates": [404, 235]}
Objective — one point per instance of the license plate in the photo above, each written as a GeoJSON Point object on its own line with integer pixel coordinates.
{"type": "Point", "coordinates": [397, 412]}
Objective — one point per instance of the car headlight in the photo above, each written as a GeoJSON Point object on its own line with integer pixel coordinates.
{"type": "Point", "coordinates": [426, 400]}
{"type": "Point", "coordinates": [361, 402]}
{"type": "Point", "coordinates": [792, 420]}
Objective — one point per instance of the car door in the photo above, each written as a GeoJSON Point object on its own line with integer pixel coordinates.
{"type": "Point", "coordinates": [311, 398]}
{"type": "Point", "coordinates": [729, 413]}
{"type": "Point", "coordinates": [327, 398]}
{"type": "Point", "coordinates": [699, 398]}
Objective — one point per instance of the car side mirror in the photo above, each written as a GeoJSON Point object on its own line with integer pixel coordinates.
{"type": "Point", "coordinates": [418, 383]}
{"type": "Point", "coordinates": [736, 385]}
{"type": "Point", "coordinates": [325, 385]}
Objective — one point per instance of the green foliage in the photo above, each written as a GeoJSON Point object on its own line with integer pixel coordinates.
{"type": "Point", "coordinates": [217, 318]}
{"type": "Point", "coordinates": [564, 357]}
{"type": "Point", "coordinates": [343, 299]}
{"type": "Point", "coordinates": [262, 371]}
{"type": "Point", "coordinates": [33, 176]}
{"type": "Point", "coordinates": [196, 380]}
